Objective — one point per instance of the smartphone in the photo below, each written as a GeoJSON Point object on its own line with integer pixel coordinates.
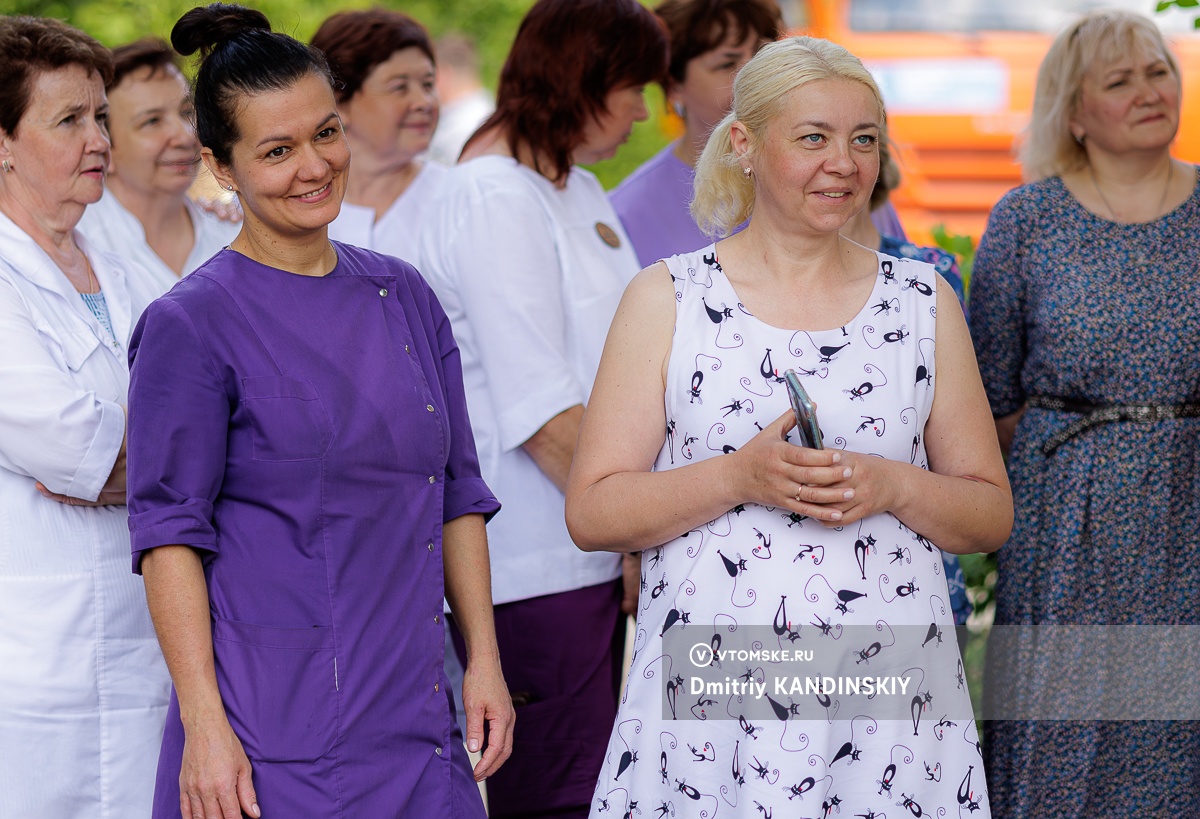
{"type": "Point", "coordinates": [806, 412]}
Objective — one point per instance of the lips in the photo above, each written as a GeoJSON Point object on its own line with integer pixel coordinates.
{"type": "Point", "coordinates": [314, 196]}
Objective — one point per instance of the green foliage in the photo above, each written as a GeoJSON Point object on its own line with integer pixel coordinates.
{"type": "Point", "coordinates": [647, 139]}
{"type": "Point", "coordinates": [491, 23]}
{"type": "Point", "coordinates": [960, 245]}
{"type": "Point", "coordinates": [1166, 5]}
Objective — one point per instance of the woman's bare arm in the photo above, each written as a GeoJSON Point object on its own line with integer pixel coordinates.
{"type": "Point", "coordinates": [614, 501]}
{"type": "Point", "coordinates": [214, 781]}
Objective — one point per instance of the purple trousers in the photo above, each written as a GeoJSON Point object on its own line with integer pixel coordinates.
{"type": "Point", "coordinates": [562, 656]}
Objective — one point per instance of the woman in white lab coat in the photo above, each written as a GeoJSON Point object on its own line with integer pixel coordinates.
{"type": "Point", "coordinates": [145, 215]}
{"type": "Point", "coordinates": [83, 688]}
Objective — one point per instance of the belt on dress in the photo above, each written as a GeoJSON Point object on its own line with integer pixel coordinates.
{"type": "Point", "coordinates": [1096, 414]}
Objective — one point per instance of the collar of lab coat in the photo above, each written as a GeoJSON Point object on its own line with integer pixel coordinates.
{"type": "Point", "coordinates": [22, 255]}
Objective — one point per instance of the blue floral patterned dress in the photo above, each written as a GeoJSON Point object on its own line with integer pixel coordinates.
{"type": "Point", "coordinates": [1064, 303]}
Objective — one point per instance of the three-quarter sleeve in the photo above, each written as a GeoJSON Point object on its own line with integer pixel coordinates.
{"type": "Point", "coordinates": [998, 308]}
{"type": "Point", "coordinates": [508, 279]}
{"type": "Point", "coordinates": [178, 426]}
{"type": "Point", "coordinates": [51, 429]}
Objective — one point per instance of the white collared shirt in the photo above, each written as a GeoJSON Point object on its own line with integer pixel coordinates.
{"type": "Point", "coordinates": [531, 286]}
{"type": "Point", "coordinates": [395, 232]}
{"type": "Point", "coordinates": [111, 228]}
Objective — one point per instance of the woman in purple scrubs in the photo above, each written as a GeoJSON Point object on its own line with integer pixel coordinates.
{"type": "Point", "coordinates": [303, 481]}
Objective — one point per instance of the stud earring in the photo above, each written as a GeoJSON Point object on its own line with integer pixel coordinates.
{"type": "Point", "coordinates": [746, 172]}
{"type": "Point", "coordinates": [7, 166]}
{"type": "Point", "coordinates": [680, 110]}
{"type": "Point", "coordinates": [1079, 139]}
{"type": "Point", "coordinates": [229, 187]}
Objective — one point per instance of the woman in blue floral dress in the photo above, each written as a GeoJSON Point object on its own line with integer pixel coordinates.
{"type": "Point", "coordinates": [1083, 311]}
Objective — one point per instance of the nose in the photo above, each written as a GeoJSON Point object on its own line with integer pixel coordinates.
{"type": "Point", "coordinates": [313, 165]}
{"type": "Point", "coordinates": [97, 139]}
{"type": "Point", "coordinates": [1148, 91]}
{"type": "Point", "coordinates": [839, 162]}
{"type": "Point", "coordinates": [640, 112]}
{"type": "Point", "coordinates": [183, 132]}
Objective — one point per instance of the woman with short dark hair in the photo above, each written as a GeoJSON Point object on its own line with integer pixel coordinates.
{"type": "Point", "coordinates": [83, 689]}
{"type": "Point", "coordinates": [145, 214]}
{"type": "Point", "coordinates": [383, 65]}
{"type": "Point", "coordinates": [302, 478]}
{"type": "Point", "coordinates": [530, 260]}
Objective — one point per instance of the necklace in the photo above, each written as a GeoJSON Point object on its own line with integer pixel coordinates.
{"type": "Point", "coordinates": [1162, 200]}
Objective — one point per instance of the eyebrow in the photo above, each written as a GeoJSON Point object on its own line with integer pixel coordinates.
{"type": "Point", "coordinates": [287, 138]}
{"type": "Point", "coordinates": [825, 126]}
{"type": "Point", "coordinates": [78, 108]}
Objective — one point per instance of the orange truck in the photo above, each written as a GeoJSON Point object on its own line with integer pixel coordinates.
{"type": "Point", "coordinates": [958, 79]}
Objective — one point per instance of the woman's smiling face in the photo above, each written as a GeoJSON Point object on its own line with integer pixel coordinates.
{"type": "Point", "coordinates": [290, 161]}
{"type": "Point", "coordinates": [817, 163]}
{"type": "Point", "coordinates": [154, 139]}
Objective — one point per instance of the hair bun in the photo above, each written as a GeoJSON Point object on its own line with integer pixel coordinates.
{"type": "Point", "coordinates": [206, 27]}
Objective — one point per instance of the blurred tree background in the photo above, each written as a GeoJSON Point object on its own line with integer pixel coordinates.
{"type": "Point", "coordinates": [491, 23]}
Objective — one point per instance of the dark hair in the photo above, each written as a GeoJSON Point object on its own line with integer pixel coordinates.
{"type": "Point", "coordinates": [239, 55]}
{"type": "Point", "coordinates": [697, 26]}
{"type": "Point", "coordinates": [568, 55]}
{"type": "Point", "coordinates": [149, 52]}
{"type": "Point", "coordinates": [31, 45]}
{"type": "Point", "coordinates": [355, 42]}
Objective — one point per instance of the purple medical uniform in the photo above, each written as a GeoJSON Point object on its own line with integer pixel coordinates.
{"type": "Point", "coordinates": [308, 437]}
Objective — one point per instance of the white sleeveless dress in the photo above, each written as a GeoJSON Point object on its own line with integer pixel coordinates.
{"type": "Point", "coordinates": [762, 571]}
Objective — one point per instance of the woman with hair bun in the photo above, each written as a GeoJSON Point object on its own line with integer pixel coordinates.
{"type": "Point", "coordinates": [755, 545]}
{"type": "Point", "coordinates": [301, 478]}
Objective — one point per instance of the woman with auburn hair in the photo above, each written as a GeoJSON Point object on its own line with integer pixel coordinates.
{"type": "Point", "coordinates": [529, 259]}
{"type": "Point", "coordinates": [145, 214]}
{"type": "Point", "coordinates": [304, 490]}
{"type": "Point", "coordinates": [83, 688]}
{"type": "Point", "coordinates": [1084, 319]}
{"type": "Point", "coordinates": [755, 541]}
{"type": "Point", "coordinates": [384, 66]}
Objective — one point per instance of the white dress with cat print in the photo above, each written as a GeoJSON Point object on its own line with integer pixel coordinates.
{"type": "Point", "coordinates": [866, 599]}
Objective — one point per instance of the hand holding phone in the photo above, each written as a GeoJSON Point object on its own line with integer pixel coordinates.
{"type": "Point", "coordinates": [806, 412]}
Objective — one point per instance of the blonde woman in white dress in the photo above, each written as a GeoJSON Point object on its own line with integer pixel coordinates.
{"type": "Point", "coordinates": [741, 530]}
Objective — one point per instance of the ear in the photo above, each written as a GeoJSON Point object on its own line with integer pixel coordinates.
{"type": "Point", "coordinates": [740, 139]}
{"type": "Point", "coordinates": [6, 151]}
{"type": "Point", "coordinates": [220, 171]}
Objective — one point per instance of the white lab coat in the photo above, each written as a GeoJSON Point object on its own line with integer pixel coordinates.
{"type": "Point", "coordinates": [83, 686]}
{"type": "Point", "coordinates": [109, 227]}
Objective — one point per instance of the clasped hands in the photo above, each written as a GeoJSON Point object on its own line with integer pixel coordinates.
{"type": "Point", "coordinates": [832, 486]}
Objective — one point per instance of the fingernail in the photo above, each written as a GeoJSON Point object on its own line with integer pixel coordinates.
{"type": "Point", "coordinates": [254, 809]}
{"type": "Point", "coordinates": [837, 457]}
{"type": "Point", "coordinates": [849, 493]}
{"type": "Point", "coordinates": [473, 745]}
{"type": "Point", "coordinates": [837, 515]}
{"type": "Point", "coordinates": [847, 472]}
